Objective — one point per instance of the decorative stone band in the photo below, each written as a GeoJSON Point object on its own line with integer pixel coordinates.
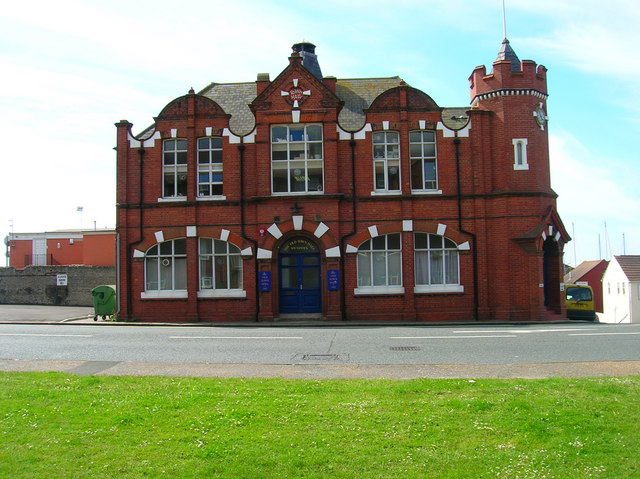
{"type": "Point", "coordinates": [510, 92]}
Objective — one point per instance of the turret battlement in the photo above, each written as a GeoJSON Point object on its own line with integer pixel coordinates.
{"type": "Point", "coordinates": [530, 79]}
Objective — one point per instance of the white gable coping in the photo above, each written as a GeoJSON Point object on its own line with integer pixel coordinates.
{"type": "Point", "coordinates": [373, 231]}
{"type": "Point", "coordinates": [297, 222]}
{"type": "Point", "coordinates": [159, 236]}
{"type": "Point", "coordinates": [224, 235]}
{"type": "Point", "coordinates": [247, 251]}
{"type": "Point", "coordinates": [464, 246]}
{"type": "Point", "coordinates": [138, 254]}
{"type": "Point", "coordinates": [442, 229]}
{"type": "Point", "coordinates": [320, 230]}
{"type": "Point", "coordinates": [264, 254]}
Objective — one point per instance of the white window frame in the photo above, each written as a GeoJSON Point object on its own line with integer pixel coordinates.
{"type": "Point", "coordinates": [209, 287]}
{"type": "Point", "coordinates": [520, 154]}
{"type": "Point", "coordinates": [164, 259]}
{"type": "Point", "coordinates": [422, 158]}
{"type": "Point", "coordinates": [368, 253]}
{"type": "Point", "coordinates": [297, 159]}
{"type": "Point", "coordinates": [382, 159]}
{"type": "Point", "coordinates": [210, 167]}
{"type": "Point", "coordinates": [176, 167]}
{"type": "Point", "coordinates": [448, 246]}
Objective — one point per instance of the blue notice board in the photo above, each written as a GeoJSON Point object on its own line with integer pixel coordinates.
{"type": "Point", "coordinates": [265, 281]}
{"type": "Point", "coordinates": [333, 280]}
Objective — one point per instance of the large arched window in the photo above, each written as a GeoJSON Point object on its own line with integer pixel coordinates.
{"type": "Point", "coordinates": [437, 265]}
{"type": "Point", "coordinates": [380, 265]}
{"type": "Point", "coordinates": [220, 269]}
{"type": "Point", "coordinates": [165, 269]}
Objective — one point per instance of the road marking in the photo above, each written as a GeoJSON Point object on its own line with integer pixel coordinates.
{"type": "Point", "coordinates": [605, 334]}
{"type": "Point", "coordinates": [523, 331]}
{"type": "Point", "coordinates": [235, 337]}
{"type": "Point", "coordinates": [456, 337]}
{"type": "Point", "coordinates": [49, 335]}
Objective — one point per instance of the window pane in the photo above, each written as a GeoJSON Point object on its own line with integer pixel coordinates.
{"type": "Point", "coordinates": [379, 243]}
{"type": "Point", "coordinates": [421, 241]}
{"type": "Point", "coordinates": [392, 137]}
{"type": "Point", "coordinates": [180, 246]}
{"type": "Point", "coordinates": [451, 259]}
{"type": "Point", "coordinates": [205, 246]}
{"type": "Point", "coordinates": [394, 175]}
{"type": "Point", "coordinates": [166, 280]}
{"type": "Point", "coordinates": [279, 152]}
{"type": "Point", "coordinates": [436, 267]}
{"type": "Point", "coordinates": [203, 143]}
{"type": "Point", "coordinates": [235, 275]}
{"type": "Point", "coordinates": [429, 150]}
{"type": "Point", "coordinates": [180, 273]}
{"type": "Point", "coordinates": [278, 134]}
{"type": "Point", "coordinates": [449, 244]}
{"type": "Point", "coordinates": [170, 145]}
{"type": "Point", "coordinates": [415, 150]}
{"type": "Point", "coordinates": [289, 277]}
{"type": "Point", "coordinates": [296, 133]}
{"type": "Point", "coordinates": [181, 157]}
{"type": "Point", "coordinates": [393, 241]}
{"type": "Point", "coordinates": [415, 137]}
{"type": "Point", "coordinates": [166, 248]}
{"type": "Point", "coordinates": [203, 157]}
{"type": "Point", "coordinates": [310, 278]}
{"type": "Point", "coordinates": [220, 247]}
{"type": "Point", "coordinates": [216, 142]}
{"type": "Point", "coordinates": [435, 241]}
{"type": "Point", "coordinates": [280, 175]}
{"type": "Point", "coordinates": [169, 158]}
{"type": "Point", "coordinates": [364, 269]}
{"type": "Point", "coordinates": [379, 269]}
{"type": "Point", "coordinates": [421, 267]}
{"type": "Point", "coordinates": [393, 151]}
{"type": "Point", "coordinates": [395, 268]}
{"type": "Point", "coordinates": [314, 132]}
{"type": "Point", "coordinates": [314, 151]}
{"type": "Point", "coordinates": [206, 273]}
{"type": "Point", "coordinates": [429, 136]}
{"type": "Point", "coordinates": [216, 156]}
{"type": "Point", "coordinates": [378, 151]}
{"type": "Point", "coordinates": [378, 137]}
{"type": "Point", "coordinates": [151, 265]}
{"type": "Point", "coordinates": [181, 144]}
{"type": "Point", "coordinates": [315, 176]}
{"type": "Point", "coordinates": [416, 175]}
{"type": "Point", "coordinates": [380, 181]}
{"type": "Point", "coordinates": [220, 264]}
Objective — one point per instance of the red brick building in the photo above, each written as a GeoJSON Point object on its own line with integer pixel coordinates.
{"type": "Point", "coordinates": [342, 199]}
{"type": "Point", "coordinates": [63, 247]}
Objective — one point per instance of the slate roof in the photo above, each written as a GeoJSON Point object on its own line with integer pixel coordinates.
{"type": "Point", "coordinates": [357, 93]}
{"type": "Point", "coordinates": [630, 265]}
{"type": "Point", "coordinates": [507, 53]}
{"type": "Point", "coordinates": [234, 99]}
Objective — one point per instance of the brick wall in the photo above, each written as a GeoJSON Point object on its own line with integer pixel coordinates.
{"type": "Point", "coordinates": [38, 284]}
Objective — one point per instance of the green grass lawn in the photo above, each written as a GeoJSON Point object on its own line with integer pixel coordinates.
{"type": "Point", "coordinates": [56, 425]}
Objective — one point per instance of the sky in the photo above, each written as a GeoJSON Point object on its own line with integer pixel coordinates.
{"type": "Point", "coordinates": [71, 69]}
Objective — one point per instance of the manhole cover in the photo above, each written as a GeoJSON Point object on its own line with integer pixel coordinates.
{"type": "Point", "coordinates": [320, 357]}
{"type": "Point", "coordinates": [405, 348]}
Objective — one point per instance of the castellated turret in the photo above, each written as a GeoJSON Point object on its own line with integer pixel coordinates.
{"type": "Point", "coordinates": [511, 101]}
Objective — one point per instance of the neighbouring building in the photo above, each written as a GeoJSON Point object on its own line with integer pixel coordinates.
{"type": "Point", "coordinates": [589, 273]}
{"type": "Point", "coordinates": [310, 196]}
{"type": "Point", "coordinates": [95, 247]}
{"type": "Point", "coordinates": [621, 290]}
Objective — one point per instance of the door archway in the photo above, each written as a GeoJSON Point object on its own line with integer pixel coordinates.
{"type": "Point", "coordinates": [299, 271]}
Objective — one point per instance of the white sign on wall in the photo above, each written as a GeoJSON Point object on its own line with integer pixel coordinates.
{"type": "Point", "coordinates": [61, 279]}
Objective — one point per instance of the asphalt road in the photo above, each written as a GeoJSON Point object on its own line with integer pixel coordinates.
{"type": "Point", "coordinates": [411, 351]}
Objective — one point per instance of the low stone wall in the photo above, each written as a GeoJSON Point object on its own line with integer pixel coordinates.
{"type": "Point", "coordinates": [39, 284]}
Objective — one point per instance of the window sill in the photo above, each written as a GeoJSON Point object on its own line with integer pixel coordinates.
{"type": "Point", "coordinates": [297, 193]}
{"type": "Point", "coordinates": [176, 199]}
{"type": "Point", "coordinates": [168, 294]}
{"type": "Point", "coordinates": [439, 288]}
{"type": "Point", "coordinates": [211, 198]}
{"type": "Point", "coordinates": [369, 290]}
{"type": "Point", "coordinates": [222, 293]}
{"type": "Point", "coordinates": [426, 192]}
{"type": "Point", "coordinates": [521, 167]}
{"type": "Point", "coordinates": [386, 193]}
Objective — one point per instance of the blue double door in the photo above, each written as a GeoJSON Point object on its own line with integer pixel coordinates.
{"type": "Point", "coordinates": [299, 277]}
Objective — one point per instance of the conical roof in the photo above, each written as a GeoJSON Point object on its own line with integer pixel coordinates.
{"type": "Point", "coordinates": [507, 53]}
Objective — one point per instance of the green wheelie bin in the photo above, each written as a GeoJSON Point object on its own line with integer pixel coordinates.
{"type": "Point", "coordinates": [104, 301]}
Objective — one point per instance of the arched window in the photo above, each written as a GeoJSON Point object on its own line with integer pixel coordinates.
{"type": "Point", "coordinates": [210, 167]}
{"type": "Point", "coordinates": [380, 265]}
{"type": "Point", "coordinates": [165, 269]}
{"type": "Point", "coordinates": [436, 264]}
{"type": "Point", "coordinates": [174, 168]}
{"type": "Point", "coordinates": [220, 268]}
